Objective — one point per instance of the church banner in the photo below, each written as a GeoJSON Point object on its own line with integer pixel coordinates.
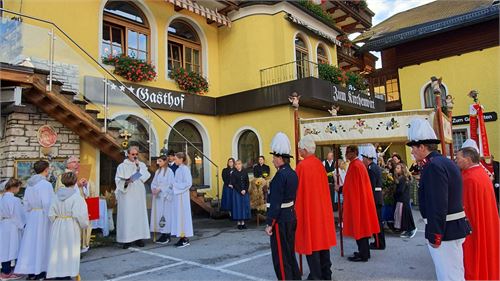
{"type": "Point", "coordinates": [364, 128]}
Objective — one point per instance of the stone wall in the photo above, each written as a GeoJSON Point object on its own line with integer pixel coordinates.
{"type": "Point", "coordinates": [20, 138]}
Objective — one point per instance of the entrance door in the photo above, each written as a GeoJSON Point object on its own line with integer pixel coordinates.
{"type": "Point", "coordinates": [138, 135]}
{"type": "Point", "coordinates": [177, 144]}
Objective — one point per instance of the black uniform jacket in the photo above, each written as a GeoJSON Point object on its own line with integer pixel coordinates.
{"type": "Point", "coordinates": [283, 189]}
{"type": "Point", "coordinates": [376, 181]}
{"type": "Point", "coordinates": [440, 194]}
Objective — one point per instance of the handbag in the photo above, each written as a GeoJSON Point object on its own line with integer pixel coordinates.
{"type": "Point", "coordinates": [398, 213]}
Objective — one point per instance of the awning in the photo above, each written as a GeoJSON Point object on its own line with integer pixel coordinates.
{"type": "Point", "coordinates": [202, 11]}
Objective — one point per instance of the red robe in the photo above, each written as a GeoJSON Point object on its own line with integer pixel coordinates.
{"type": "Point", "coordinates": [360, 215]}
{"type": "Point", "coordinates": [481, 248]}
{"type": "Point", "coordinates": [313, 206]}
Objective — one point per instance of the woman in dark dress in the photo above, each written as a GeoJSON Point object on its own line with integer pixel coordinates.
{"type": "Point", "coordinates": [227, 192]}
{"type": "Point", "coordinates": [241, 199]}
{"type": "Point", "coordinates": [402, 198]}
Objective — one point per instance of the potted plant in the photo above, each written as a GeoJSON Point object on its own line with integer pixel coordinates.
{"type": "Point", "coordinates": [189, 81]}
{"type": "Point", "coordinates": [331, 73]}
{"type": "Point", "coordinates": [130, 68]}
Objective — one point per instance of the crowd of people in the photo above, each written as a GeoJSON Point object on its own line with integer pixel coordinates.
{"type": "Point", "coordinates": [43, 235]}
{"type": "Point", "coordinates": [459, 208]}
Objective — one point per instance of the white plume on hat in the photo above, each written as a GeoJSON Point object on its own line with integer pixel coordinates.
{"type": "Point", "coordinates": [470, 143]}
{"type": "Point", "coordinates": [361, 150]}
{"type": "Point", "coordinates": [368, 151]}
{"type": "Point", "coordinates": [421, 131]}
{"type": "Point", "coordinates": [280, 144]}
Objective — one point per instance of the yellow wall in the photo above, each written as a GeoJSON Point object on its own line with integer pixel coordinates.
{"type": "Point", "coordinates": [258, 42]}
{"type": "Point", "coordinates": [235, 57]}
{"type": "Point", "coordinates": [476, 70]}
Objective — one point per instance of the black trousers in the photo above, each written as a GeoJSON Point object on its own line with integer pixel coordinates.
{"type": "Point", "coordinates": [364, 247]}
{"type": "Point", "coordinates": [6, 267]}
{"type": "Point", "coordinates": [319, 265]}
{"type": "Point", "coordinates": [379, 237]}
{"type": "Point", "coordinates": [283, 251]}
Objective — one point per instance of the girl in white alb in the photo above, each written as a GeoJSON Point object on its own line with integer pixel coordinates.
{"type": "Point", "coordinates": [162, 207]}
{"type": "Point", "coordinates": [12, 220]}
{"type": "Point", "coordinates": [68, 214]}
{"type": "Point", "coordinates": [34, 252]}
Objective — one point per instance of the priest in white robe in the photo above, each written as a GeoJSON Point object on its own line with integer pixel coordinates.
{"type": "Point", "coordinates": [34, 252]}
{"type": "Point", "coordinates": [162, 207]}
{"type": "Point", "coordinates": [132, 218]}
{"type": "Point", "coordinates": [68, 214]}
{"type": "Point", "coordinates": [182, 223]}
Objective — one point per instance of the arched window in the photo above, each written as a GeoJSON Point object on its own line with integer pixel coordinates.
{"type": "Point", "coordinates": [302, 57]}
{"type": "Point", "coordinates": [248, 150]}
{"type": "Point", "coordinates": [139, 134]}
{"type": "Point", "coordinates": [430, 99]}
{"type": "Point", "coordinates": [184, 47]}
{"type": "Point", "coordinates": [125, 30]}
{"type": "Point", "coordinates": [322, 55]}
{"type": "Point", "coordinates": [178, 143]}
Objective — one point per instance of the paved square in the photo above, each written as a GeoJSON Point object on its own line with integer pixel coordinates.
{"type": "Point", "coordinates": [219, 251]}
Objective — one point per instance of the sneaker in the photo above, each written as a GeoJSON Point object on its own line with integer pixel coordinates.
{"type": "Point", "coordinates": [84, 250]}
{"type": "Point", "coordinates": [413, 233]}
{"type": "Point", "coordinates": [11, 276]}
{"type": "Point", "coordinates": [183, 242]}
{"type": "Point", "coordinates": [244, 226]}
{"type": "Point", "coordinates": [405, 234]}
{"type": "Point", "coordinates": [126, 245]}
{"type": "Point", "coordinates": [164, 239]}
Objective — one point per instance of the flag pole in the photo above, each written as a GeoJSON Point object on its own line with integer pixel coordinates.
{"type": "Point", "coordinates": [339, 204]}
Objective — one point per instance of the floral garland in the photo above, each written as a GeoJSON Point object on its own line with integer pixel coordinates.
{"type": "Point", "coordinates": [189, 81]}
{"type": "Point", "coordinates": [132, 69]}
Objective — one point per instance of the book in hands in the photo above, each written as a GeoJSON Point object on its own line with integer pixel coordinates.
{"type": "Point", "coordinates": [135, 176]}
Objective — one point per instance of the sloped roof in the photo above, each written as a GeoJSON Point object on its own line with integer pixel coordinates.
{"type": "Point", "coordinates": [437, 11]}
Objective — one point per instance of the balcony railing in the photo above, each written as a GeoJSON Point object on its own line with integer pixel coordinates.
{"type": "Point", "coordinates": [288, 72]}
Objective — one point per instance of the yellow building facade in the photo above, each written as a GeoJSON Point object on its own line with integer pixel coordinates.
{"type": "Point", "coordinates": [233, 59]}
{"type": "Point", "coordinates": [460, 46]}
{"type": "Point", "coordinates": [475, 70]}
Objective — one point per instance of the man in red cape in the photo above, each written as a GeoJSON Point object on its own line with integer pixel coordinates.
{"type": "Point", "coordinates": [481, 248]}
{"type": "Point", "coordinates": [360, 215]}
{"type": "Point", "coordinates": [315, 233]}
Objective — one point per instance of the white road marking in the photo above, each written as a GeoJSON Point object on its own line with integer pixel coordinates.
{"type": "Point", "coordinates": [244, 260]}
{"type": "Point", "coordinates": [146, 271]}
{"type": "Point", "coordinates": [220, 269]}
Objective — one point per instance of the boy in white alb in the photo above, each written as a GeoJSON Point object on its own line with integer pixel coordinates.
{"type": "Point", "coordinates": [12, 220]}
{"type": "Point", "coordinates": [68, 214]}
{"type": "Point", "coordinates": [34, 251]}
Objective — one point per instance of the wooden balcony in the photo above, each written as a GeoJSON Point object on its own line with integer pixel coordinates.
{"type": "Point", "coordinates": [350, 16]}
{"type": "Point", "coordinates": [349, 59]}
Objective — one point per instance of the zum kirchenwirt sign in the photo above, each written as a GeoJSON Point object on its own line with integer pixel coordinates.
{"type": "Point", "coordinates": [156, 98]}
{"type": "Point", "coordinates": [352, 97]}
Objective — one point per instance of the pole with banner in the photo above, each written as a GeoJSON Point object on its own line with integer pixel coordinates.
{"type": "Point", "coordinates": [294, 99]}
{"type": "Point", "coordinates": [436, 89]}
